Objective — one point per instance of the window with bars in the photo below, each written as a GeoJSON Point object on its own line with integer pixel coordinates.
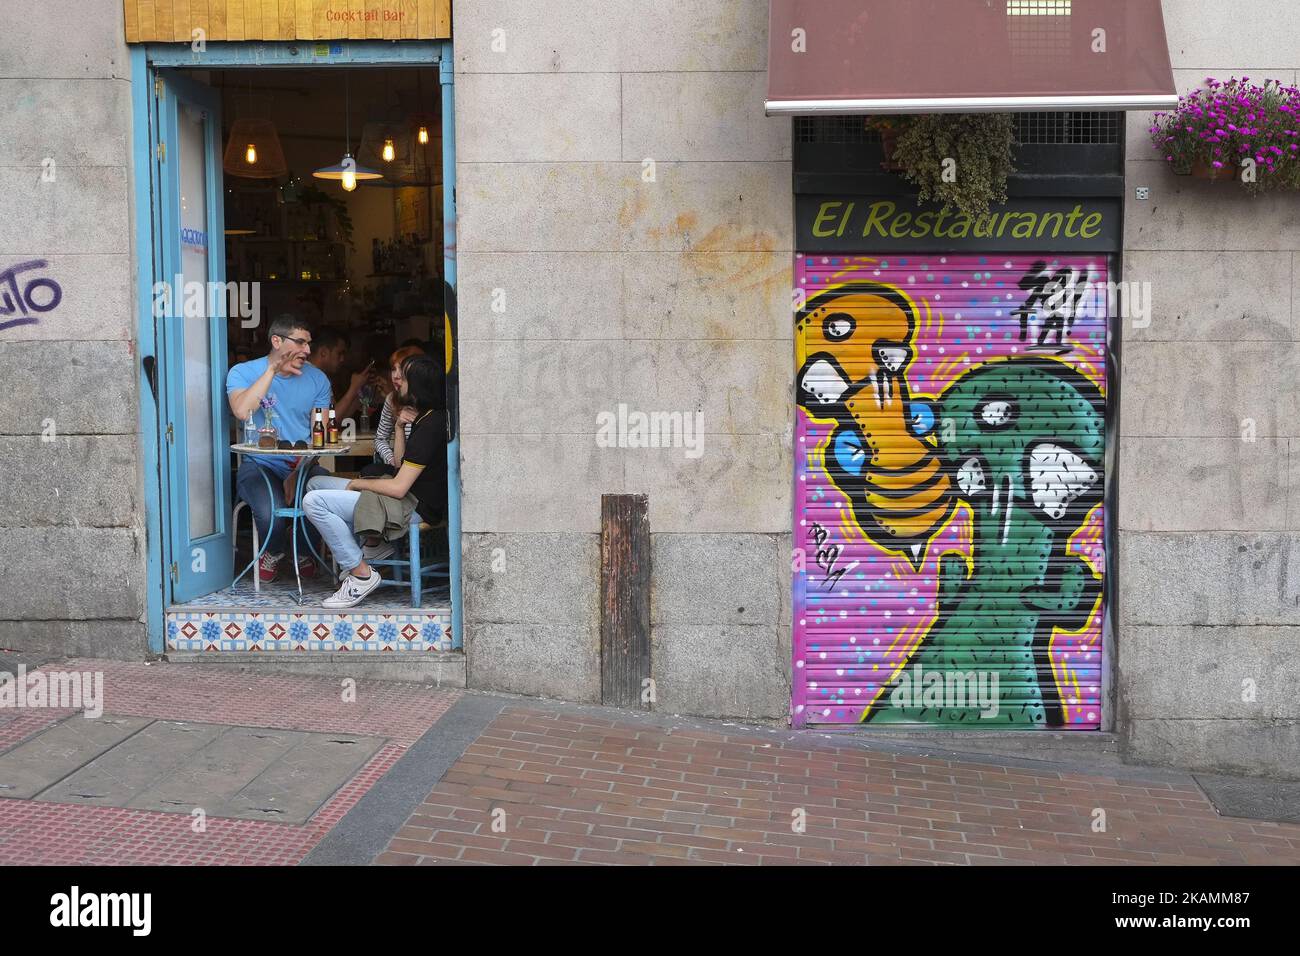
{"type": "Point", "coordinates": [840, 130]}
{"type": "Point", "coordinates": [1039, 8]}
{"type": "Point", "coordinates": [1032, 129]}
{"type": "Point", "coordinates": [1070, 128]}
{"type": "Point", "coordinates": [1039, 34]}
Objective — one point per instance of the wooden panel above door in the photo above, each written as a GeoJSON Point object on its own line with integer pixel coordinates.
{"type": "Point", "coordinates": [168, 21]}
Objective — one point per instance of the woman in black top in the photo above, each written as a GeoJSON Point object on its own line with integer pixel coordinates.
{"type": "Point", "coordinates": [331, 502]}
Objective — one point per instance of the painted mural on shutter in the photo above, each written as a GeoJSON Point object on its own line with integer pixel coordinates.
{"type": "Point", "coordinates": [950, 448]}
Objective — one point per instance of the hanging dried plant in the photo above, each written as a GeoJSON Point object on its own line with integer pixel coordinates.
{"type": "Point", "coordinates": [960, 160]}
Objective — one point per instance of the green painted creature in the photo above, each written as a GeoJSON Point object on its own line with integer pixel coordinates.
{"type": "Point", "coordinates": [1024, 440]}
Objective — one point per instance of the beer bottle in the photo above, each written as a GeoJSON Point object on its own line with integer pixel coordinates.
{"type": "Point", "coordinates": [317, 432]}
{"type": "Point", "coordinates": [334, 428]}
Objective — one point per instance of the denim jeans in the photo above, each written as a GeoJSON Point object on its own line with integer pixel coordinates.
{"type": "Point", "coordinates": [329, 507]}
{"type": "Point", "coordinates": [252, 488]}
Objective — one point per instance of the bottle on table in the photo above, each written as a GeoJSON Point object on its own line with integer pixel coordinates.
{"type": "Point", "coordinates": [318, 432]}
{"type": "Point", "coordinates": [332, 436]}
{"type": "Point", "coordinates": [250, 431]}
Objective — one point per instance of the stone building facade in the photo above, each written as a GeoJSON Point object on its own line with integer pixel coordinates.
{"type": "Point", "coordinates": [626, 238]}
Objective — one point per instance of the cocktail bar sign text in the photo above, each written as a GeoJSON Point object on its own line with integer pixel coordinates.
{"type": "Point", "coordinates": [365, 16]}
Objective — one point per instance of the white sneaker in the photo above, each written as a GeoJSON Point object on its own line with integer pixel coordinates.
{"type": "Point", "coordinates": [377, 552]}
{"type": "Point", "coordinates": [353, 591]}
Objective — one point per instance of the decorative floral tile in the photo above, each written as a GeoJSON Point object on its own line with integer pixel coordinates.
{"type": "Point", "coordinates": [362, 629]}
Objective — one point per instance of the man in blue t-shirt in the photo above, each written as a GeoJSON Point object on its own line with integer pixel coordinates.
{"type": "Point", "coordinates": [296, 387]}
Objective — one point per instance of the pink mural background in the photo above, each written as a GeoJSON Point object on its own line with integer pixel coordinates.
{"type": "Point", "coordinates": [854, 630]}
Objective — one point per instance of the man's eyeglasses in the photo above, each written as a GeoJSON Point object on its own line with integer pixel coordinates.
{"type": "Point", "coordinates": [305, 343]}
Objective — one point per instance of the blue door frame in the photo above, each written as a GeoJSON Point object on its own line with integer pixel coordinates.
{"type": "Point", "coordinates": [146, 59]}
{"type": "Point", "coordinates": [202, 563]}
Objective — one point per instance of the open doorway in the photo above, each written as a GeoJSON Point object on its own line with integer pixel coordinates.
{"type": "Point", "coordinates": [361, 265]}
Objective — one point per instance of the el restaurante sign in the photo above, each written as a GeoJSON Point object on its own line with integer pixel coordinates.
{"type": "Point", "coordinates": [857, 223]}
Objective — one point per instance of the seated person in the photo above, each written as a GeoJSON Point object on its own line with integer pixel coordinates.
{"type": "Point", "coordinates": [297, 387]}
{"type": "Point", "coordinates": [331, 502]}
{"type": "Point", "coordinates": [330, 354]}
{"type": "Point", "coordinates": [390, 442]}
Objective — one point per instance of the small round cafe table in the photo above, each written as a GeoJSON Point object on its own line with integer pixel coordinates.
{"type": "Point", "coordinates": [294, 512]}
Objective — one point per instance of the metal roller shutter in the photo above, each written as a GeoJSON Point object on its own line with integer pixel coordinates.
{"type": "Point", "coordinates": [950, 449]}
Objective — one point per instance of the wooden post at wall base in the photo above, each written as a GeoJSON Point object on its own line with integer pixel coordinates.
{"type": "Point", "coordinates": [625, 601]}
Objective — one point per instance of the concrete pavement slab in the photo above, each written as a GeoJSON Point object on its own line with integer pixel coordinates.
{"type": "Point", "coordinates": [214, 775]}
{"type": "Point", "coordinates": [41, 762]}
{"type": "Point", "coordinates": [292, 788]}
{"type": "Point", "coordinates": [115, 777]}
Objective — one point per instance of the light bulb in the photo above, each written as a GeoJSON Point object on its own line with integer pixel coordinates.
{"type": "Point", "coordinates": [251, 154]}
{"type": "Point", "coordinates": [349, 180]}
{"type": "Point", "coordinates": [423, 134]}
{"type": "Point", "coordinates": [389, 152]}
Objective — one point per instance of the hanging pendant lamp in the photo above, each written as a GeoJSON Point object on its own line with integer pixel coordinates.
{"type": "Point", "coordinates": [422, 122]}
{"type": "Point", "coordinates": [383, 146]}
{"type": "Point", "coordinates": [253, 149]}
{"type": "Point", "coordinates": [386, 141]}
{"type": "Point", "coordinates": [427, 128]}
{"type": "Point", "coordinates": [347, 171]}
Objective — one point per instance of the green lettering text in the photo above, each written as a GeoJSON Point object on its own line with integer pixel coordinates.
{"type": "Point", "coordinates": [880, 213]}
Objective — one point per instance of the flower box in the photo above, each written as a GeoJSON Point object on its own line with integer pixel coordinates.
{"type": "Point", "coordinates": [1234, 130]}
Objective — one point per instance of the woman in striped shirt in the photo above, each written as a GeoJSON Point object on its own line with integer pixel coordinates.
{"type": "Point", "coordinates": [390, 441]}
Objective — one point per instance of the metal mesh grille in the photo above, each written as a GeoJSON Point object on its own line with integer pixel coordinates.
{"type": "Point", "coordinates": [846, 130]}
{"type": "Point", "coordinates": [1033, 129]}
{"type": "Point", "coordinates": [1054, 129]}
{"type": "Point", "coordinates": [1039, 41]}
{"type": "Point", "coordinates": [1039, 8]}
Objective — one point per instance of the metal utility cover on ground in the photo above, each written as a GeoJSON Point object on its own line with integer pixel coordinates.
{"type": "Point", "coordinates": [247, 773]}
{"type": "Point", "coordinates": [1253, 798]}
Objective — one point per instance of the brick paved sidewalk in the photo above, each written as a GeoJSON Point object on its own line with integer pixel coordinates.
{"type": "Point", "coordinates": [571, 787]}
{"type": "Point", "coordinates": [476, 778]}
{"type": "Point", "coordinates": [41, 832]}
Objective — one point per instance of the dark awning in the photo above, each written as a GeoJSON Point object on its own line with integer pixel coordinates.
{"type": "Point", "coordinates": [966, 56]}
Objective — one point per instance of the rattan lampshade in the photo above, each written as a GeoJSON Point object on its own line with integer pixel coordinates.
{"type": "Point", "coordinates": [261, 135]}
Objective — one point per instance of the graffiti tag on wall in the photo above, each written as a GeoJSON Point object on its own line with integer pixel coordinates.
{"type": "Point", "coordinates": [26, 297]}
{"type": "Point", "coordinates": [951, 439]}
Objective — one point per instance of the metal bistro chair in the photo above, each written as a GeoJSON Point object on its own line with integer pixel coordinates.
{"type": "Point", "coordinates": [411, 570]}
{"type": "Point", "coordinates": [240, 505]}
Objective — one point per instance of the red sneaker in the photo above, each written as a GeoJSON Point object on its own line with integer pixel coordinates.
{"type": "Point", "coordinates": [306, 568]}
{"type": "Point", "coordinates": [268, 566]}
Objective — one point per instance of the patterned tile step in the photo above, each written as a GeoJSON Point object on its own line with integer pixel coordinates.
{"type": "Point", "coordinates": [307, 629]}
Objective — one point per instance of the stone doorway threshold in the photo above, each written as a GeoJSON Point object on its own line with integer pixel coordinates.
{"type": "Point", "coordinates": [431, 668]}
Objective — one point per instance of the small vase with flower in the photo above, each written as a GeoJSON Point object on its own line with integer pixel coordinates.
{"type": "Point", "coordinates": [268, 436]}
